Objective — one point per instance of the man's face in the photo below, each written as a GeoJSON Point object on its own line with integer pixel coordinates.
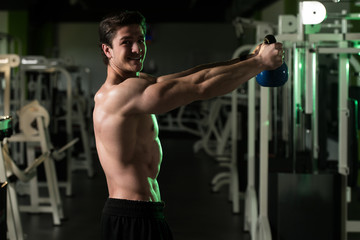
{"type": "Point", "coordinates": [128, 49]}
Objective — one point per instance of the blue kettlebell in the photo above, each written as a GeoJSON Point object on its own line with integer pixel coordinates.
{"type": "Point", "coordinates": [273, 78]}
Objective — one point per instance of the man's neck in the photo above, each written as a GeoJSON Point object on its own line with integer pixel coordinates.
{"type": "Point", "coordinates": [117, 77]}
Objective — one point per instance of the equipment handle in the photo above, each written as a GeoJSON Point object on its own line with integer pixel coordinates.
{"type": "Point", "coordinates": [269, 39]}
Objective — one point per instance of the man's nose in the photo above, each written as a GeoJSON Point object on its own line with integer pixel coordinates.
{"type": "Point", "coordinates": [137, 48]}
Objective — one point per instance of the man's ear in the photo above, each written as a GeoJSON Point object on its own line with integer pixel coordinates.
{"type": "Point", "coordinates": [107, 50]}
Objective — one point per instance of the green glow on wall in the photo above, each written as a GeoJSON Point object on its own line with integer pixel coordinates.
{"type": "Point", "coordinates": [44, 41]}
{"type": "Point", "coordinates": [291, 7]}
{"type": "Point", "coordinates": [18, 27]}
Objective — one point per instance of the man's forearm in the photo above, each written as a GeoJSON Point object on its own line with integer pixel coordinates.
{"type": "Point", "coordinates": [224, 79]}
{"type": "Point", "coordinates": [198, 69]}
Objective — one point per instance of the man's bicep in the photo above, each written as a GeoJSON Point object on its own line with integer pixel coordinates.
{"type": "Point", "coordinates": [143, 96]}
{"type": "Point", "coordinates": [165, 96]}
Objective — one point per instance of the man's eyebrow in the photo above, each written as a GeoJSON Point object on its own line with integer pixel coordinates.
{"type": "Point", "coordinates": [131, 37]}
{"type": "Point", "coordinates": [125, 38]}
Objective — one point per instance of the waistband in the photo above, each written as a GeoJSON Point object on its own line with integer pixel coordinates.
{"type": "Point", "coordinates": [130, 208]}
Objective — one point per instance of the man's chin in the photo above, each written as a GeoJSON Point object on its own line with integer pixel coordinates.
{"type": "Point", "coordinates": [138, 67]}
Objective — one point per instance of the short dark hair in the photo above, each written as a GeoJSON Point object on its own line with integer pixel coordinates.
{"type": "Point", "coordinates": [112, 22]}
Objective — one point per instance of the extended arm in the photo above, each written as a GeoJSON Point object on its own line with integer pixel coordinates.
{"type": "Point", "coordinates": [207, 66]}
{"type": "Point", "coordinates": [216, 79]}
{"type": "Point", "coordinates": [202, 82]}
{"type": "Point", "coordinates": [197, 69]}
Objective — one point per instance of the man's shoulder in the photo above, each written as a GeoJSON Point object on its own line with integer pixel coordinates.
{"type": "Point", "coordinates": [131, 87]}
{"type": "Point", "coordinates": [142, 80]}
{"type": "Point", "coordinates": [121, 98]}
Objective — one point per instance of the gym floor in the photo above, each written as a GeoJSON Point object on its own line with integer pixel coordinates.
{"type": "Point", "coordinates": [192, 210]}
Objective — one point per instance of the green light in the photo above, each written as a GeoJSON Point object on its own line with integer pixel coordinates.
{"type": "Point", "coordinates": [156, 135]}
{"type": "Point", "coordinates": [356, 114]}
{"type": "Point", "coordinates": [154, 186]}
{"type": "Point", "coordinates": [357, 45]}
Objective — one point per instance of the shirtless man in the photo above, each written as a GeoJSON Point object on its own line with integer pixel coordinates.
{"type": "Point", "coordinates": [126, 131]}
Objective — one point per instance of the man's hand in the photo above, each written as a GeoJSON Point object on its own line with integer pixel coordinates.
{"type": "Point", "coordinates": [270, 55]}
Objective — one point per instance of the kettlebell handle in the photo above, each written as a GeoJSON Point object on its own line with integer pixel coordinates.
{"type": "Point", "coordinates": [269, 39]}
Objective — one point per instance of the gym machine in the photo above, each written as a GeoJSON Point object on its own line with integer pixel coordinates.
{"type": "Point", "coordinates": [74, 107]}
{"type": "Point", "coordinates": [33, 126]}
{"type": "Point", "coordinates": [300, 128]}
{"type": "Point", "coordinates": [231, 134]}
{"type": "Point", "coordinates": [13, 220]}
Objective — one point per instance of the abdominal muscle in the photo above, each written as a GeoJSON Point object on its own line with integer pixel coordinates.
{"type": "Point", "coordinates": [134, 188]}
{"type": "Point", "coordinates": [133, 178]}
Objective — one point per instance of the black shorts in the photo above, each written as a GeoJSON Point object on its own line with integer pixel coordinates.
{"type": "Point", "coordinates": [134, 220]}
